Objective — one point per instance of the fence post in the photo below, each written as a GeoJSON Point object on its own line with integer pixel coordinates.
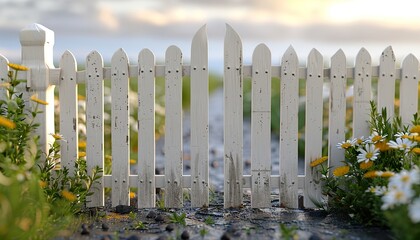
{"type": "Point", "coordinates": [37, 44]}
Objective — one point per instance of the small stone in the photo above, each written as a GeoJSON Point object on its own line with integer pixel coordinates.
{"type": "Point", "coordinates": [159, 218]}
{"type": "Point", "coordinates": [170, 227]}
{"type": "Point", "coordinates": [315, 236]}
{"type": "Point", "coordinates": [133, 237]}
{"type": "Point", "coordinates": [105, 227]}
{"type": "Point", "coordinates": [122, 209]}
{"type": "Point", "coordinates": [162, 238]}
{"type": "Point", "coordinates": [152, 214]}
{"type": "Point", "coordinates": [106, 237]}
{"type": "Point", "coordinates": [84, 230]}
{"type": "Point", "coordinates": [225, 236]}
{"type": "Point", "coordinates": [185, 235]}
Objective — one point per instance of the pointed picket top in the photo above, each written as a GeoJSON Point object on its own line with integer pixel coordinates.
{"type": "Point", "coordinates": [94, 54]}
{"type": "Point", "coordinates": [119, 56]}
{"type": "Point", "coordinates": [315, 65]}
{"type": "Point", "coordinates": [261, 53]}
{"type": "Point", "coordinates": [363, 54]}
{"type": "Point", "coordinates": [68, 58]}
{"type": "Point", "coordinates": [290, 63]}
{"type": "Point", "coordinates": [232, 36]}
{"type": "Point", "coordinates": [386, 81]}
{"type": "Point", "coordinates": [409, 88]}
{"type": "Point", "coordinates": [200, 39]}
{"type": "Point", "coordinates": [145, 57]}
{"type": "Point", "coordinates": [339, 55]}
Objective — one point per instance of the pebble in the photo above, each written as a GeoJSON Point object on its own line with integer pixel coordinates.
{"type": "Point", "coordinates": [170, 227]}
{"type": "Point", "coordinates": [123, 209]}
{"type": "Point", "coordinates": [225, 236]}
{"type": "Point", "coordinates": [315, 236]}
{"type": "Point", "coordinates": [84, 230]}
{"type": "Point", "coordinates": [162, 238]}
{"type": "Point", "coordinates": [159, 218]}
{"type": "Point", "coordinates": [105, 227]}
{"type": "Point", "coordinates": [133, 237]}
{"type": "Point", "coordinates": [151, 214]}
{"type": "Point", "coordinates": [185, 235]}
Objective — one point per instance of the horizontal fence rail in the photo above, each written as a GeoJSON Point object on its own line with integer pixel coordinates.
{"type": "Point", "coordinates": [42, 77]}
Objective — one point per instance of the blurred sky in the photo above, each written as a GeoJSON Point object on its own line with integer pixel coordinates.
{"type": "Point", "coordinates": [106, 25]}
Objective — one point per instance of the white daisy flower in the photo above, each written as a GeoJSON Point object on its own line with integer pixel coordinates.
{"type": "Point", "coordinates": [414, 211]}
{"type": "Point", "coordinates": [347, 144]}
{"type": "Point", "coordinates": [404, 179]}
{"type": "Point", "coordinates": [377, 190]}
{"type": "Point", "coordinates": [403, 144]}
{"type": "Point", "coordinates": [369, 153]}
{"type": "Point", "coordinates": [375, 137]}
{"type": "Point", "coordinates": [395, 197]}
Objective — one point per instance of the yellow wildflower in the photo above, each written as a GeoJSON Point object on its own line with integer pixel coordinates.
{"type": "Point", "coordinates": [43, 184]}
{"type": "Point", "coordinates": [382, 146]}
{"type": "Point", "coordinates": [82, 154]}
{"type": "Point", "coordinates": [132, 194]}
{"type": "Point", "coordinates": [5, 85]}
{"type": "Point", "coordinates": [17, 67]}
{"type": "Point", "coordinates": [376, 138]}
{"type": "Point", "coordinates": [82, 144]}
{"type": "Point", "coordinates": [366, 165]}
{"type": "Point", "coordinates": [81, 97]}
{"type": "Point", "coordinates": [318, 161]}
{"type": "Point", "coordinates": [387, 174]}
{"type": "Point", "coordinates": [371, 174]}
{"type": "Point", "coordinates": [25, 224]}
{"type": "Point", "coordinates": [35, 99]}
{"type": "Point", "coordinates": [415, 129]}
{"type": "Point", "coordinates": [68, 195]}
{"type": "Point", "coordinates": [341, 171]}
{"type": "Point", "coordinates": [57, 136]}
{"type": "Point", "coordinates": [133, 161]}
{"type": "Point", "coordinates": [416, 150]}
{"type": "Point", "coordinates": [5, 122]}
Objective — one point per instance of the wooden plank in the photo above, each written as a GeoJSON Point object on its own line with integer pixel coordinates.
{"type": "Point", "coordinates": [289, 100]}
{"type": "Point", "coordinates": [68, 112]}
{"type": "Point", "coordinates": [95, 123]}
{"type": "Point", "coordinates": [409, 88]}
{"type": "Point", "coordinates": [362, 94]}
{"type": "Point", "coordinates": [261, 128]}
{"type": "Point", "coordinates": [386, 82]}
{"type": "Point", "coordinates": [120, 133]}
{"type": "Point", "coordinates": [337, 110]}
{"type": "Point", "coordinates": [313, 130]}
{"type": "Point", "coordinates": [146, 136]}
{"type": "Point", "coordinates": [173, 128]}
{"type": "Point", "coordinates": [199, 120]}
{"type": "Point", "coordinates": [4, 70]}
{"type": "Point", "coordinates": [233, 119]}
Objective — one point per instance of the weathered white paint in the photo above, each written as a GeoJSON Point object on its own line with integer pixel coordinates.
{"type": "Point", "coordinates": [261, 127]}
{"type": "Point", "coordinates": [313, 132]}
{"type": "Point", "coordinates": [95, 123]}
{"type": "Point", "coordinates": [37, 44]}
{"type": "Point", "coordinates": [173, 127]}
{"type": "Point", "coordinates": [386, 82]}
{"type": "Point", "coordinates": [337, 109]}
{"type": "Point", "coordinates": [120, 133]}
{"type": "Point", "coordinates": [409, 88]}
{"type": "Point", "coordinates": [233, 119]}
{"type": "Point", "coordinates": [289, 100]}
{"type": "Point", "coordinates": [146, 124]}
{"type": "Point", "coordinates": [4, 70]}
{"type": "Point", "coordinates": [199, 120]}
{"type": "Point", "coordinates": [68, 111]}
{"type": "Point", "coordinates": [362, 94]}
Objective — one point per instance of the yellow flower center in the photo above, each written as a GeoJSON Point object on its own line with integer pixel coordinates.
{"type": "Point", "coordinates": [345, 145]}
{"type": "Point", "coordinates": [376, 138]}
{"type": "Point", "coordinates": [405, 178]}
{"type": "Point", "coordinates": [369, 155]}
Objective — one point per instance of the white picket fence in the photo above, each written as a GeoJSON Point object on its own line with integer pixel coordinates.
{"type": "Point", "coordinates": [37, 42]}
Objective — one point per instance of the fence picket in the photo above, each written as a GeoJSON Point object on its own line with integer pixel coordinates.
{"type": "Point", "coordinates": [95, 123]}
{"type": "Point", "coordinates": [233, 119]}
{"type": "Point", "coordinates": [68, 111]}
{"type": "Point", "coordinates": [146, 136]}
{"type": "Point", "coordinates": [120, 134]}
{"type": "Point", "coordinates": [173, 127]}
{"type": "Point", "coordinates": [199, 120]}
{"type": "Point", "coordinates": [337, 110]}
{"type": "Point", "coordinates": [261, 127]}
{"type": "Point", "coordinates": [409, 88]}
{"type": "Point", "coordinates": [362, 91]}
{"type": "Point", "coordinates": [313, 132]}
{"type": "Point", "coordinates": [289, 99]}
{"type": "Point", "coordinates": [4, 70]}
{"type": "Point", "coordinates": [386, 82]}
